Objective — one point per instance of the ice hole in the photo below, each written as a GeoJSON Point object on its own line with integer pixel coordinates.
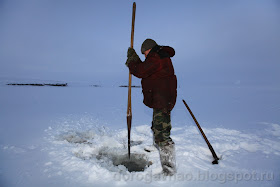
{"type": "Point", "coordinates": [137, 162]}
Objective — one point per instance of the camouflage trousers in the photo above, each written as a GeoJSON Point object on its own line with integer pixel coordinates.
{"type": "Point", "coordinates": [161, 127]}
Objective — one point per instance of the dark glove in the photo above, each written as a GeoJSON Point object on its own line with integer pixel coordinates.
{"type": "Point", "coordinates": [131, 56]}
{"type": "Point", "coordinates": [130, 52]}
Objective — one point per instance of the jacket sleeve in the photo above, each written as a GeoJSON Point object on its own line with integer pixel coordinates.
{"type": "Point", "coordinates": [144, 69]}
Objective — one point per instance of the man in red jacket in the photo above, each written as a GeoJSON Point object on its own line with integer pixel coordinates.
{"type": "Point", "coordinates": [159, 87]}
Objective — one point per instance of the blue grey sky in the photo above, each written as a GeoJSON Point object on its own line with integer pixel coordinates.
{"type": "Point", "coordinates": [216, 42]}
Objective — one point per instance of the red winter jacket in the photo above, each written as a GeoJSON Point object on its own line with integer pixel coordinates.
{"type": "Point", "coordinates": [159, 83]}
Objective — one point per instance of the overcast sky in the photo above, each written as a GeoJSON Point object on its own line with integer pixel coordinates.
{"type": "Point", "coordinates": [216, 42]}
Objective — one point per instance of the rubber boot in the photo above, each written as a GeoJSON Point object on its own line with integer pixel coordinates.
{"type": "Point", "coordinates": [167, 159]}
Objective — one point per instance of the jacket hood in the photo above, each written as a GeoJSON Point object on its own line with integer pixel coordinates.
{"type": "Point", "coordinates": [169, 50]}
{"type": "Point", "coordinates": [163, 51]}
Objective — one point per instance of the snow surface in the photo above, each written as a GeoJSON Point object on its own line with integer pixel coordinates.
{"type": "Point", "coordinates": [77, 136]}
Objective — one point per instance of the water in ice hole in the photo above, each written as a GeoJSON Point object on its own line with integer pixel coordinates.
{"type": "Point", "coordinates": [136, 162]}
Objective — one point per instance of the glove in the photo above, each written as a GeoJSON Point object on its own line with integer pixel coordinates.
{"type": "Point", "coordinates": [130, 52]}
{"type": "Point", "coordinates": [131, 56]}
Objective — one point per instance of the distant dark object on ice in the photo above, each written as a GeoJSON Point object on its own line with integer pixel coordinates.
{"type": "Point", "coordinates": [64, 84]}
{"type": "Point", "coordinates": [19, 84]}
{"type": "Point", "coordinates": [95, 85]}
{"type": "Point", "coordinates": [125, 86]}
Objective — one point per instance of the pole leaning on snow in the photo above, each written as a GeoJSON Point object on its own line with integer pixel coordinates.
{"type": "Point", "coordinates": [215, 161]}
{"type": "Point", "coordinates": [129, 112]}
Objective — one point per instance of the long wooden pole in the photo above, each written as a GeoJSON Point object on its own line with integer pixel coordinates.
{"type": "Point", "coordinates": [129, 113]}
{"type": "Point", "coordinates": [215, 161]}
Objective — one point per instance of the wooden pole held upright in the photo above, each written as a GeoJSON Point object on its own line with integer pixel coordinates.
{"type": "Point", "coordinates": [129, 113]}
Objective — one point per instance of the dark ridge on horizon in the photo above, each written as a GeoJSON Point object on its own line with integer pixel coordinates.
{"type": "Point", "coordinates": [125, 86]}
{"type": "Point", "coordinates": [35, 84]}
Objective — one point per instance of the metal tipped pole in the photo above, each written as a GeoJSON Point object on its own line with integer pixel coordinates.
{"type": "Point", "coordinates": [129, 113]}
{"type": "Point", "coordinates": [215, 161]}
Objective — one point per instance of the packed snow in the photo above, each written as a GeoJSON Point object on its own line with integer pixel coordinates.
{"type": "Point", "coordinates": [77, 136]}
